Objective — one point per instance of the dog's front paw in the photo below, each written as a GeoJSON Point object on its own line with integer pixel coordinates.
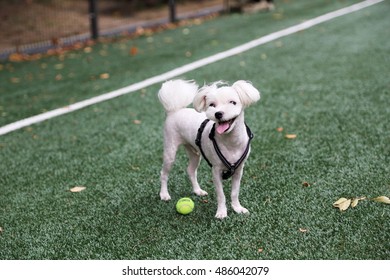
{"type": "Point", "coordinates": [165, 196]}
{"type": "Point", "coordinates": [239, 209]}
{"type": "Point", "coordinates": [200, 192]}
{"type": "Point", "coordinates": [221, 214]}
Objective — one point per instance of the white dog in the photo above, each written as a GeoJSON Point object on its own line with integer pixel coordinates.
{"type": "Point", "coordinates": [215, 129]}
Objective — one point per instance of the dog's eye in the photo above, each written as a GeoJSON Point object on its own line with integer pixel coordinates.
{"type": "Point", "coordinates": [212, 105]}
{"type": "Point", "coordinates": [233, 102]}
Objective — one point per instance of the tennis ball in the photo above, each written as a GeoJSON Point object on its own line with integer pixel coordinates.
{"type": "Point", "coordinates": [185, 205]}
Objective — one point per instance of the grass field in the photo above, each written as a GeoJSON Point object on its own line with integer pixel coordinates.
{"type": "Point", "coordinates": [329, 85]}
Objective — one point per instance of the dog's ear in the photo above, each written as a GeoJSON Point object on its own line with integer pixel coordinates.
{"type": "Point", "coordinates": [199, 101]}
{"type": "Point", "coordinates": [247, 93]}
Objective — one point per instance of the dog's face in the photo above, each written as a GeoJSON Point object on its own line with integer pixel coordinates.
{"type": "Point", "coordinates": [223, 107]}
{"type": "Point", "coordinates": [224, 104]}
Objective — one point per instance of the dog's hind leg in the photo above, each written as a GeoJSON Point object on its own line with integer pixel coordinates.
{"type": "Point", "coordinates": [194, 160]}
{"type": "Point", "coordinates": [170, 150]}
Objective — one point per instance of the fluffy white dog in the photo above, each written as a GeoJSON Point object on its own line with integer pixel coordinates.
{"type": "Point", "coordinates": [215, 129]}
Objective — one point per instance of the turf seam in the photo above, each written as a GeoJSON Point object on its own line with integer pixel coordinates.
{"type": "Point", "coordinates": [187, 68]}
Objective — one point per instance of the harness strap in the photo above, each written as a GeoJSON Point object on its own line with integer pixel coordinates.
{"type": "Point", "coordinates": [198, 140]}
{"type": "Point", "coordinates": [231, 168]}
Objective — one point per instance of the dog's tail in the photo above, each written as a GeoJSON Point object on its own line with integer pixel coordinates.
{"type": "Point", "coordinates": [177, 94]}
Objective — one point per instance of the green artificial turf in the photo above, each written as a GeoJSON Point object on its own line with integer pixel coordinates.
{"type": "Point", "coordinates": [329, 85]}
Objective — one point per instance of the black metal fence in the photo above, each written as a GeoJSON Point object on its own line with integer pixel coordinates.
{"type": "Point", "coordinates": [31, 26]}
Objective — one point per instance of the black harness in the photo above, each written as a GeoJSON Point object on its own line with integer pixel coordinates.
{"type": "Point", "coordinates": [231, 168]}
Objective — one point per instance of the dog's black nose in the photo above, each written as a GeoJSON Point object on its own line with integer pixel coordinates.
{"type": "Point", "coordinates": [218, 115]}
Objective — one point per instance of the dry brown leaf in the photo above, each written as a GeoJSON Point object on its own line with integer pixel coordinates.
{"type": "Point", "coordinates": [137, 122]}
{"type": "Point", "coordinates": [306, 184]}
{"type": "Point", "coordinates": [290, 136]}
{"type": "Point", "coordinates": [279, 129]}
{"type": "Point", "coordinates": [104, 76]}
{"type": "Point", "coordinates": [382, 199]}
{"type": "Point", "coordinates": [133, 51]}
{"type": "Point", "coordinates": [260, 250]}
{"type": "Point", "coordinates": [16, 57]}
{"type": "Point", "coordinates": [77, 189]}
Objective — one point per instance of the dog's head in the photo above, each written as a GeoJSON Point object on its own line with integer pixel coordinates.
{"type": "Point", "coordinates": [223, 103]}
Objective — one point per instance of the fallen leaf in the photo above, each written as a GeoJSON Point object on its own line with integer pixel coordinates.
{"type": "Point", "coordinates": [104, 76]}
{"type": "Point", "coordinates": [260, 250]}
{"type": "Point", "coordinates": [134, 167]}
{"type": "Point", "coordinates": [133, 51]}
{"type": "Point", "coordinates": [16, 57]}
{"type": "Point", "coordinates": [1, 230]}
{"type": "Point", "coordinates": [382, 199]}
{"type": "Point", "coordinates": [279, 129]}
{"type": "Point", "coordinates": [339, 201]}
{"type": "Point", "coordinates": [290, 136]}
{"type": "Point", "coordinates": [343, 203]}
{"type": "Point", "coordinates": [303, 230]}
{"type": "Point", "coordinates": [354, 202]}
{"type": "Point", "coordinates": [87, 49]}
{"type": "Point", "coordinates": [137, 122]}
{"type": "Point", "coordinates": [15, 80]}
{"type": "Point", "coordinates": [306, 184]}
{"type": "Point", "coordinates": [77, 189]}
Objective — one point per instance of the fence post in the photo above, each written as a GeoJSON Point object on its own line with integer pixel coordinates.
{"type": "Point", "coordinates": [172, 11]}
{"type": "Point", "coordinates": [93, 16]}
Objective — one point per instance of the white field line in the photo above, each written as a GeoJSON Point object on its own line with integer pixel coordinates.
{"type": "Point", "coordinates": [187, 68]}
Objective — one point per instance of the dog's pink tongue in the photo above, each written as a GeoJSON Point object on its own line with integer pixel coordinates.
{"type": "Point", "coordinates": [222, 127]}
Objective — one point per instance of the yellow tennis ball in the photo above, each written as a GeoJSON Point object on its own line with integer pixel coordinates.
{"type": "Point", "coordinates": [185, 205]}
